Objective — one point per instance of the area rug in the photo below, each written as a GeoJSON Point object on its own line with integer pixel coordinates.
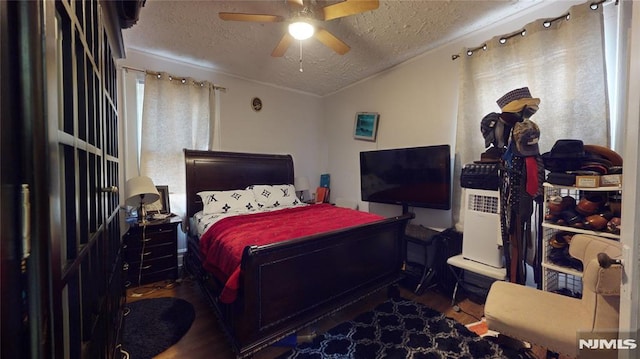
{"type": "Point", "coordinates": [153, 325]}
{"type": "Point", "coordinates": [400, 328]}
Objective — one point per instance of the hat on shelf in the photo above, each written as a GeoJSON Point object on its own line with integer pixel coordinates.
{"type": "Point", "coordinates": [526, 136]}
{"type": "Point", "coordinates": [600, 159]}
{"type": "Point", "coordinates": [599, 153]}
{"type": "Point", "coordinates": [565, 155]}
{"type": "Point", "coordinates": [515, 100]}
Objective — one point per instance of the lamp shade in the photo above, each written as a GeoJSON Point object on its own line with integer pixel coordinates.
{"type": "Point", "coordinates": [301, 183]}
{"type": "Point", "coordinates": [140, 190]}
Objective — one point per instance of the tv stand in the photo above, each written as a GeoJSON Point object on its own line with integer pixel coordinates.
{"type": "Point", "coordinates": [420, 270]}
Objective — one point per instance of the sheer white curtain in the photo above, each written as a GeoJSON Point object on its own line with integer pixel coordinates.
{"type": "Point", "coordinates": [562, 64]}
{"type": "Point", "coordinates": [176, 115]}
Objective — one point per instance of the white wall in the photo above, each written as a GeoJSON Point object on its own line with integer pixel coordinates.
{"type": "Point", "coordinates": [417, 102]}
{"type": "Point", "coordinates": [290, 121]}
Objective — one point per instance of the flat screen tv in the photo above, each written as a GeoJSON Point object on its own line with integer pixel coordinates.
{"type": "Point", "coordinates": [416, 177]}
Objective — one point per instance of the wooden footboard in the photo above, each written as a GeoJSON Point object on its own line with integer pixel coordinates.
{"type": "Point", "coordinates": [289, 285]}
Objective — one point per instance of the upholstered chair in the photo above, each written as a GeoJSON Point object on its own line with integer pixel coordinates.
{"type": "Point", "coordinates": [553, 320]}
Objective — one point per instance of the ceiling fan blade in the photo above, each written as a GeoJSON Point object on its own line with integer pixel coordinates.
{"type": "Point", "coordinates": [348, 7]}
{"type": "Point", "coordinates": [282, 46]}
{"type": "Point", "coordinates": [295, 2]}
{"type": "Point", "coordinates": [331, 41]}
{"type": "Point", "coordinates": [236, 16]}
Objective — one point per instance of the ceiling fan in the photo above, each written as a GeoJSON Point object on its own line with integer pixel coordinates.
{"type": "Point", "coordinates": [303, 13]}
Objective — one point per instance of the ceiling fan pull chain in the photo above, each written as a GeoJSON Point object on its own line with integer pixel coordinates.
{"type": "Point", "coordinates": [300, 55]}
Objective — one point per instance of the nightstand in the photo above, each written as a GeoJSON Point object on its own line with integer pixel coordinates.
{"type": "Point", "coordinates": [150, 251]}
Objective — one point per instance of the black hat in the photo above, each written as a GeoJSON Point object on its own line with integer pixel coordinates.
{"type": "Point", "coordinates": [565, 155]}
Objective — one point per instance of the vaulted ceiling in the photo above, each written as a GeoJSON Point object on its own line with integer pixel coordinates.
{"type": "Point", "coordinates": [192, 31]}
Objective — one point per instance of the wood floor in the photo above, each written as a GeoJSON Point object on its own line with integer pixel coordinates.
{"type": "Point", "coordinates": [206, 340]}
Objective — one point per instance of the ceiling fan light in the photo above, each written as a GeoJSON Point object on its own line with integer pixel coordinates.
{"type": "Point", "coordinates": [301, 30]}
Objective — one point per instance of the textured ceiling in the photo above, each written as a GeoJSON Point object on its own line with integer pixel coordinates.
{"type": "Point", "coordinates": [398, 30]}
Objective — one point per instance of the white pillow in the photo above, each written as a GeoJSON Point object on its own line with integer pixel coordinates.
{"type": "Point", "coordinates": [234, 201]}
{"type": "Point", "coordinates": [273, 196]}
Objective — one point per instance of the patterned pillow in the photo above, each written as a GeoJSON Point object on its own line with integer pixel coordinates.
{"type": "Point", "coordinates": [272, 196]}
{"type": "Point", "coordinates": [234, 201]}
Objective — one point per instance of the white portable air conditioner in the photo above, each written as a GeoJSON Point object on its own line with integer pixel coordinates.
{"type": "Point", "coordinates": [482, 241]}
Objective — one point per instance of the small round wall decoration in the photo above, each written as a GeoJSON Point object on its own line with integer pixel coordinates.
{"type": "Point", "coordinates": [256, 104]}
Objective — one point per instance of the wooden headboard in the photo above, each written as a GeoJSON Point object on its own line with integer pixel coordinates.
{"type": "Point", "coordinates": [220, 171]}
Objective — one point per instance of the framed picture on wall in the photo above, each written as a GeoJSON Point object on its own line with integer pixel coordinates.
{"type": "Point", "coordinates": [162, 204]}
{"type": "Point", "coordinates": [366, 126]}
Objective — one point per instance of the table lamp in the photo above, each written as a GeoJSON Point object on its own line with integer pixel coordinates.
{"type": "Point", "coordinates": [140, 191]}
{"type": "Point", "coordinates": [301, 184]}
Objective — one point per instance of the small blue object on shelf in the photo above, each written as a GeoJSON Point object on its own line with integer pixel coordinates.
{"type": "Point", "coordinates": [324, 180]}
{"type": "Point", "coordinates": [289, 341]}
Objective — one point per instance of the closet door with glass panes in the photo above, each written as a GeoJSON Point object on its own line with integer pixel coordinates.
{"type": "Point", "coordinates": [23, 189]}
{"type": "Point", "coordinates": [85, 268]}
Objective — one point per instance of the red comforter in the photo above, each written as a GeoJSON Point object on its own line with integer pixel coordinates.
{"type": "Point", "coordinates": [223, 243]}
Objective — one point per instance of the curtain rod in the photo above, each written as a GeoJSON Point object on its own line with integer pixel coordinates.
{"type": "Point", "coordinates": [216, 87]}
{"type": "Point", "coordinates": [503, 39]}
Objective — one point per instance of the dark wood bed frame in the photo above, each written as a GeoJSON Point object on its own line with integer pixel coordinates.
{"type": "Point", "coordinates": [288, 285]}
